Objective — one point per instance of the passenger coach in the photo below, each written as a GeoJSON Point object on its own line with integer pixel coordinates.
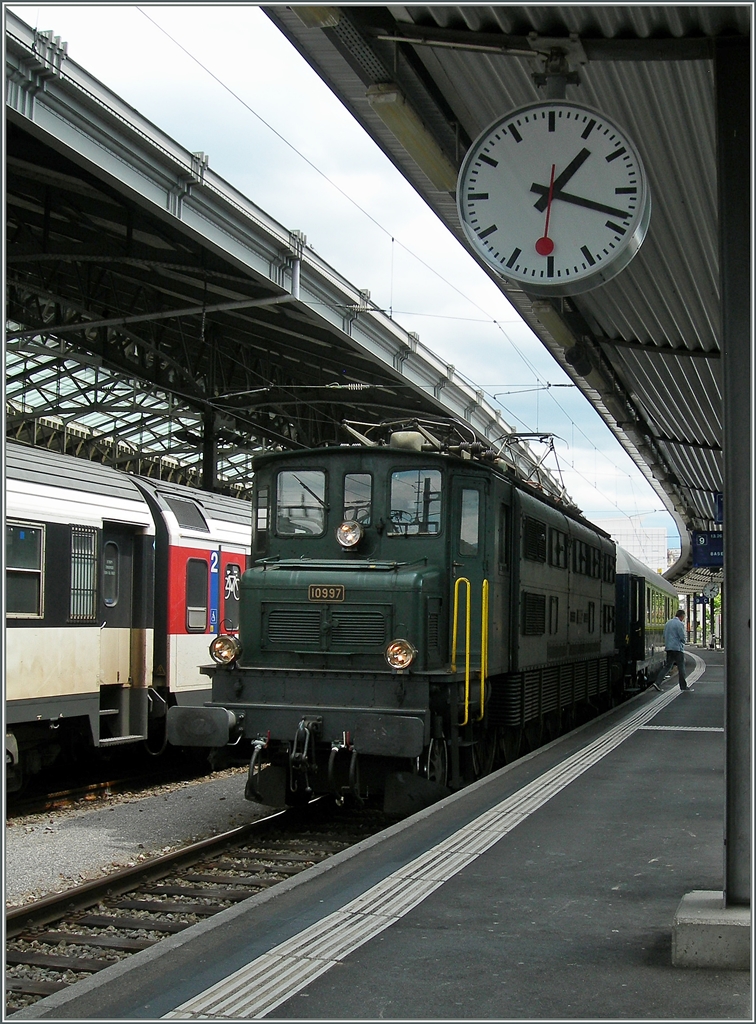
{"type": "Point", "coordinates": [114, 586]}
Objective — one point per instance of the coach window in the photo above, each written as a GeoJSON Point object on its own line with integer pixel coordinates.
{"type": "Point", "coordinates": [300, 501]}
{"type": "Point", "coordinates": [196, 595]}
{"type": "Point", "coordinates": [358, 490]}
{"type": "Point", "coordinates": [110, 574]}
{"type": "Point", "coordinates": [83, 594]}
{"type": "Point", "coordinates": [188, 513]}
{"type": "Point", "coordinates": [469, 519]}
{"type": "Point", "coordinates": [24, 558]}
{"type": "Point", "coordinates": [591, 616]}
{"type": "Point", "coordinates": [415, 503]}
{"type": "Point", "coordinates": [231, 583]}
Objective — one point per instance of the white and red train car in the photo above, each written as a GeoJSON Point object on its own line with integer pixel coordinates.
{"type": "Point", "coordinates": [113, 583]}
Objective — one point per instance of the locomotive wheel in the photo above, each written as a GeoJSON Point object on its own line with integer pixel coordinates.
{"type": "Point", "coordinates": [436, 762]}
{"type": "Point", "coordinates": [510, 743]}
{"type": "Point", "coordinates": [484, 751]}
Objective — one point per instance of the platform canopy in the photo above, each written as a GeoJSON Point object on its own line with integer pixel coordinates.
{"type": "Point", "coordinates": [645, 347]}
{"type": "Point", "coordinates": [158, 320]}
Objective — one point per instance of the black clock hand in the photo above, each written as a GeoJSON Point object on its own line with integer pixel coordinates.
{"type": "Point", "coordinates": [589, 204]}
{"type": "Point", "coordinates": [561, 179]}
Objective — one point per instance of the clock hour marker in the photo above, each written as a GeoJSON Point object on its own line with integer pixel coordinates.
{"type": "Point", "coordinates": [487, 232]}
{"type": "Point", "coordinates": [585, 251]}
{"type": "Point", "coordinates": [513, 258]}
{"type": "Point", "coordinates": [630, 191]}
{"type": "Point", "coordinates": [488, 160]}
{"type": "Point", "coordinates": [550, 266]}
{"type": "Point", "coordinates": [615, 154]}
{"type": "Point", "coordinates": [615, 227]}
{"type": "Point", "coordinates": [552, 120]}
{"type": "Point", "coordinates": [477, 195]}
{"type": "Point", "coordinates": [514, 133]}
{"type": "Point", "coordinates": [588, 128]}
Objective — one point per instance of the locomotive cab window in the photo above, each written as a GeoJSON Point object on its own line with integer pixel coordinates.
{"type": "Point", "coordinates": [358, 489]}
{"type": "Point", "coordinates": [24, 558]}
{"type": "Point", "coordinates": [260, 521]}
{"type": "Point", "coordinates": [469, 522]}
{"type": "Point", "coordinates": [196, 595]}
{"type": "Point", "coordinates": [300, 503]}
{"type": "Point", "coordinates": [415, 503]}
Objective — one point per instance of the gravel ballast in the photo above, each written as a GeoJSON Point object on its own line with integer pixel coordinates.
{"type": "Point", "coordinates": [57, 850]}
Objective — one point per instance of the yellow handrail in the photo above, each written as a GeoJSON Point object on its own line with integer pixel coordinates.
{"type": "Point", "coordinates": [483, 644]}
{"type": "Point", "coordinates": [462, 579]}
{"type": "Point", "coordinates": [483, 647]}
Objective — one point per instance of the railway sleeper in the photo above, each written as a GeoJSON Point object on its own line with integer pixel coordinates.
{"type": "Point", "coordinates": [133, 923]}
{"type": "Point", "coordinates": [86, 939]}
{"type": "Point", "coordinates": [27, 987]}
{"type": "Point", "coordinates": [57, 962]}
{"type": "Point", "coordinates": [230, 895]}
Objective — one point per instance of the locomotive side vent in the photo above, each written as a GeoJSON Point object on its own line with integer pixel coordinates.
{"type": "Point", "coordinates": [533, 614]}
{"type": "Point", "coordinates": [294, 626]}
{"type": "Point", "coordinates": [325, 627]}
{"type": "Point", "coordinates": [353, 628]}
{"type": "Point", "coordinates": [534, 539]}
{"type": "Point", "coordinates": [433, 631]}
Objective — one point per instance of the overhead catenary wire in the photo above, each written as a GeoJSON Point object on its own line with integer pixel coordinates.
{"type": "Point", "coordinates": [394, 241]}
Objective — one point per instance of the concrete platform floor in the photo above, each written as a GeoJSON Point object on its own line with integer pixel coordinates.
{"type": "Point", "coordinates": [545, 892]}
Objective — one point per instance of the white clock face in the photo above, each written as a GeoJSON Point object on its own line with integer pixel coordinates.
{"type": "Point", "coordinates": [554, 197]}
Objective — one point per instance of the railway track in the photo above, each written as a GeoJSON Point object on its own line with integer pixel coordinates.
{"type": "Point", "coordinates": [55, 942]}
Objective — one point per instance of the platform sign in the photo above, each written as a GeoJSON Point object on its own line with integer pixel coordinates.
{"type": "Point", "coordinates": [718, 508]}
{"type": "Point", "coordinates": [708, 548]}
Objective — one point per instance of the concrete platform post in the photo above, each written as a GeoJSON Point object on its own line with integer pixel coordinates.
{"type": "Point", "coordinates": [712, 929]}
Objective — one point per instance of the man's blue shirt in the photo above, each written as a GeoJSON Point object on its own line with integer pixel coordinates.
{"type": "Point", "coordinates": [674, 635]}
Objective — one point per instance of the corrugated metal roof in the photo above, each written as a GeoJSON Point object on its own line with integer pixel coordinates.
{"type": "Point", "coordinates": [650, 68]}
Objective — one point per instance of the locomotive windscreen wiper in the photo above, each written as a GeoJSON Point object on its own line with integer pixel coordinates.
{"type": "Point", "coordinates": [310, 491]}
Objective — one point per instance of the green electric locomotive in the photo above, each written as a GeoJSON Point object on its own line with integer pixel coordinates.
{"type": "Point", "coordinates": [412, 616]}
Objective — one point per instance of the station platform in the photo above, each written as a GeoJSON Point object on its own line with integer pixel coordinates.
{"type": "Point", "coordinates": [545, 891]}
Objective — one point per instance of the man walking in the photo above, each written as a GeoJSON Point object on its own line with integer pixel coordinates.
{"type": "Point", "coordinates": [674, 645]}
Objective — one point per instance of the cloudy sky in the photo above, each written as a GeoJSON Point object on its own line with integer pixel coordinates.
{"type": "Point", "coordinates": [222, 79]}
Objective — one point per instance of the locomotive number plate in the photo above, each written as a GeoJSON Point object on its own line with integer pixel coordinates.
{"type": "Point", "coordinates": [316, 592]}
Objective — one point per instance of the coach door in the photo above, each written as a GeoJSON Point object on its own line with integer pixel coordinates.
{"type": "Point", "coordinates": [115, 604]}
{"type": "Point", "coordinates": [470, 562]}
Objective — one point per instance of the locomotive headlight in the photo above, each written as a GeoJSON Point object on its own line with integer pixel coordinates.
{"type": "Point", "coordinates": [400, 654]}
{"type": "Point", "coordinates": [349, 534]}
{"type": "Point", "coordinates": [224, 650]}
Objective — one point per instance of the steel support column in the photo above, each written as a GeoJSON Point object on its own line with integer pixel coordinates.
{"type": "Point", "coordinates": [733, 116]}
{"type": "Point", "coordinates": [209, 455]}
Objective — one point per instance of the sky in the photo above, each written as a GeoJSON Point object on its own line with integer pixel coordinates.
{"type": "Point", "coordinates": [221, 79]}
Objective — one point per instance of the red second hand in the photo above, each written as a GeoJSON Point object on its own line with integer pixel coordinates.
{"type": "Point", "coordinates": [544, 246]}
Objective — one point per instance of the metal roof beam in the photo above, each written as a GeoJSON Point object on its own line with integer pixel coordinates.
{"type": "Point", "coordinates": [636, 49]}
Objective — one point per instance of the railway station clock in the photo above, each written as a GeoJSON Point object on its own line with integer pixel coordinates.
{"type": "Point", "coordinates": [554, 196]}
